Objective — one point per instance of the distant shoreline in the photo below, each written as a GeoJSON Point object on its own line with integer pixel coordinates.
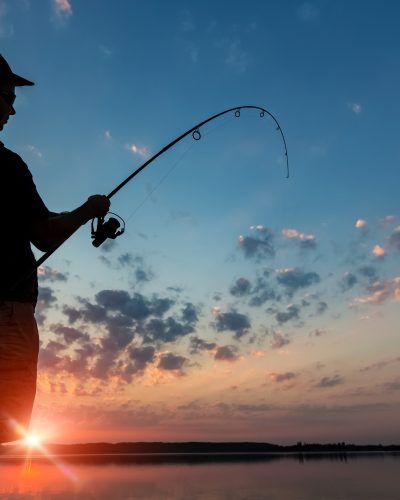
{"type": "Point", "coordinates": [204, 448]}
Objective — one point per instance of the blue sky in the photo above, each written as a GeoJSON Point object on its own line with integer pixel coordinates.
{"type": "Point", "coordinates": [279, 297]}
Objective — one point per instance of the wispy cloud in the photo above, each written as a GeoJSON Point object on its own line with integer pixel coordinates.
{"type": "Point", "coordinates": [380, 364]}
{"type": "Point", "coordinates": [138, 150]}
{"type": "Point", "coordinates": [355, 107]}
{"type": "Point", "coordinates": [35, 151]}
{"type": "Point", "coordinates": [282, 377]}
{"type": "Point", "coordinates": [186, 21]}
{"type": "Point", "coordinates": [308, 11]}
{"type": "Point", "coordinates": [106, 51]}
{"type": "Point", "coordinates": [235, 56]}
{"type": "Point", "coordinates": [6, 28]}
{"type": "Point", "coordinates": [306, 240]}
{"type": "Point", "coordinates": [327, 382]}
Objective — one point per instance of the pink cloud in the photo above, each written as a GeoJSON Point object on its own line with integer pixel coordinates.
{"type": "Point", "coordinates": [361, 223]}
{"type": "Point", "coordinates": [63, 7]}
{"type": "Point", "coordinates": [378, 251]}
{"type": "Point", "coordinates": [293, 233]}
{"type": "Point", "coordinates": [380, 291]}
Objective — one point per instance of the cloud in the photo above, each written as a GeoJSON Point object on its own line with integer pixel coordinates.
{"type": "Point", "coordinates": [142, 274]}
{"type": "Point", "coordinates": [360, 223]}
{"type": "Point", "coordinates": [62, 8]}
{"type": "Point", "coordinates": [106, 52]}
{"type": "Point", "coordinates": [190, 314]}
{"type": "Point", "coordinates": [192, 50]}
{"type": "Point", "coordinates": [379, 365]}
{"type": "Point", "coordinates": [308, 11]}
{"type": "Point", "coordinates": [389, 219]}
{"type": "Point", "coordinates": [135, 306]}
{"type": "Point", "coordinates": [241, 287]}
{"type": "Point", "coordinates": [186, 22]}
{"type": "Point", "coordinates": [257, 247]}
{"type": "Point", "coordinates": [221, 353]}
{"type": "Point", "coordinates": [6, 28]}
{"type": "Point", "coordinates": [197, 345]}
{"type": "Point", "coordinates": [292, 312]}
{"type": "Point", "coordinates": [391, 386]}
{"type": "Point", "coordinates": [235, 56]}
{"type": "Point", "coordinates": [119, 319]}
{"type": "Point", "coordinates": [282, 377]}
{"type": "Point", "coordinates": [380, 292]}
{"type": "Point", "coordinates": [347, 281]}
{"type": "Point", "coordinates": [46, 273]}
{"type": "Point", "coordinates": [46, 299]}
{"type": "Point", "coordinates": [226, 353]}
{"type": "Point", "coordinates": [355, 107]}
{"type": "Point", "coordinates": [35, 151]}
{"type": "Point", "coordinates": [70, 334]}
{"type": "Point", "coordinates": [172, 362]}
{"type": "Point", "coordinates": [140, 151]}
{"type": "Point", "coordinates": [72, 313]}
{"type": "Point", "coordinates": [107, 246]}
{"type": "Point", "coordinates": [141, 357]}
{"type": "Point", "coordinates": [318, 332]}
{"type": "Point", "coordinates": [234, 322]}
{"type": "Point", "coordinates": [378, 251]}
{"type": "Point", "coordinates": [394, 239]}
{"type": "Point", "coordinates": [327, 382]}
{"type": "Point", "coordinates": [306, 241]}
{"type": "Point", "coordinates": [279, 340]}
{"type": "Point", "coordinates": [294, 279]}
{"type": "Point", "coordinates": [321, 307]}
{"type": "Point", "coordinates": [368, 272]}
{"type": "Point", "coordinates": [168, 330]}
{"type": "Point", "coordinates": [262, 291]}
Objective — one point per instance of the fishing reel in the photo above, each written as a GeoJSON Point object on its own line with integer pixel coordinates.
{"type": "Point", "coordinates": [105, 229]}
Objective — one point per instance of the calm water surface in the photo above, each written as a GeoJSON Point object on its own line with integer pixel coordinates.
{"type": "Point", "coordinates": [271, 478]}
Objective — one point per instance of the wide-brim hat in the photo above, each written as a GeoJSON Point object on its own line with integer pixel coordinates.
{"type": "Point", "coordinates": [7, 76]}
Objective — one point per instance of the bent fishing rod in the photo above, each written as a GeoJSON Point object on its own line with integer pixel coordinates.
{"type": "Point", "coordinates": [111, 228]}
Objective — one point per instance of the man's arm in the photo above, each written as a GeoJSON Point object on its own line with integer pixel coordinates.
{"type": "Point", "coordinates": [49, 232]}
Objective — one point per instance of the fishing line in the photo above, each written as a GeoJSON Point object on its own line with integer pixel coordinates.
{"type": "Point", "coordinates": [163, 178]}
{"type": "Point", "coordinates": [171, 169]}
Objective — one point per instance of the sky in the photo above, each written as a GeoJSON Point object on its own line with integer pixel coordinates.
{"type": "Point", "coordinates": [239, 305]}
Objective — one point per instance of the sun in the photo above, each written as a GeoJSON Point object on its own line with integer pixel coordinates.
{"type": "Point", "coordinates": [32, 440]}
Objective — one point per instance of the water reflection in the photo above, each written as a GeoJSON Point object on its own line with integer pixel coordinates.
{"type": "Point", "coordinates": [177, 477]}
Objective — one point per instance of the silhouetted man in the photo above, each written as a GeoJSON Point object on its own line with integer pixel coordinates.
{"type": "Point", "coordinates": [25, 219]}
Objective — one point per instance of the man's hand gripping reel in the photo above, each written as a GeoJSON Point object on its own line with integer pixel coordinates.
{"type": "Point", "coordinates": [104, 229]}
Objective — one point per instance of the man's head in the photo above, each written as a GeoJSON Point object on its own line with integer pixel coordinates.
{"type": "Point", "coordinates": [8, 82]}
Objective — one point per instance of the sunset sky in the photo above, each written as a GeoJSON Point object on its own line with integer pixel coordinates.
{"type": "Point", "coordinates": [238, 305]}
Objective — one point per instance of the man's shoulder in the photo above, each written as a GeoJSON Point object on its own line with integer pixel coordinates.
{"type": "Point", "coordinates": [10, 159]}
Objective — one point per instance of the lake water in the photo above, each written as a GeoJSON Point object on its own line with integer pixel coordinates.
{"type": "Point", "coordinates": [319, 477]}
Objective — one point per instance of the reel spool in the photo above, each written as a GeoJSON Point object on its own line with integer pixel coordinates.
{"type": "Point", "coordinates": [105, 229]}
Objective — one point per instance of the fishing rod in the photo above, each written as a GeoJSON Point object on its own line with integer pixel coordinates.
{"type": "Point", "coordinates": [111, 228]}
